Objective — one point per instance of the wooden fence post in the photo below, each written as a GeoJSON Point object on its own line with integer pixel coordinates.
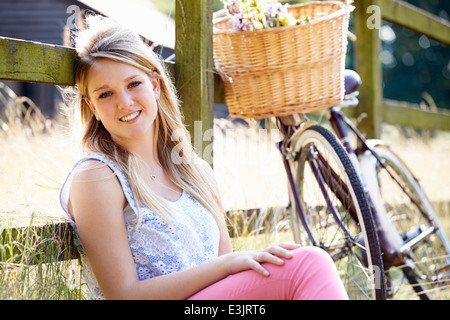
{"type": "Point", "coordinates": [193, 70]}
{"type": "Point", "coordinates": [368, 65]}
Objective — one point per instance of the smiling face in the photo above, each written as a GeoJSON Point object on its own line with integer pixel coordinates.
{"type": "Point", "coordinates": [123, 98]}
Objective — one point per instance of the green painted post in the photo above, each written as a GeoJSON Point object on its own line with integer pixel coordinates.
{"type": "Point", "coordinates": [368, 65]}
{"type": "Point", "coordinates": [193, 70]}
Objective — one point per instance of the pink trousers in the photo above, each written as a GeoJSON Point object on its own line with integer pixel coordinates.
{"type": "Point", "coordinates": [309, 275]}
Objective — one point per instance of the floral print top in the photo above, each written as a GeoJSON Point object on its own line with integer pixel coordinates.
{"type": "Point", "coordinates": [158, 248]}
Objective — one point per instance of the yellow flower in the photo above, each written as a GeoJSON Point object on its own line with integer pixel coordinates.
{"type": "Point", "coordinates": [286, 19]}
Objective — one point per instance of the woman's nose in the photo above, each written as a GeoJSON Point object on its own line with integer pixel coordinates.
{"type": "Point", "coordinates": [124, 100]}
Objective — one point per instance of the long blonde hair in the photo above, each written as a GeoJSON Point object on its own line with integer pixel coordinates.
{"type": "Point", "coordinates": [103, 38]}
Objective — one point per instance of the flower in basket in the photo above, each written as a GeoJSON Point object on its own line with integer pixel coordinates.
{"type": "Point", "coordinates": [250, 15]}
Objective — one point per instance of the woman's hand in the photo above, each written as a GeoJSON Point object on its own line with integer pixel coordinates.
{"type": "Point", "coordinates": [245, 260]}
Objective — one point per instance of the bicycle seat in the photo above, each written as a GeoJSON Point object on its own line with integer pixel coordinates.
{"type": "Point", "coordinates": [352, 81]}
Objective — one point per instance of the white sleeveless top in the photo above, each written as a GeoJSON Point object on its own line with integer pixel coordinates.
{"type": "Point", "coordinates": [158, 248]}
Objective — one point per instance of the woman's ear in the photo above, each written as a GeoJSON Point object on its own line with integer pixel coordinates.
{"type": "Point", "coordinates": [92, 107]}
{"type": "Point", "coordinates": [156, 86]}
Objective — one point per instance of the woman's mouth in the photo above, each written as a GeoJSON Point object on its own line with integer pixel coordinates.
{"type": "Point", "coordinates": [130, 117]}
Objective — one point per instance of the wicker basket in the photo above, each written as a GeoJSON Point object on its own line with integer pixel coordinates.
{"type": "Point", "coordinates": [285, 70]}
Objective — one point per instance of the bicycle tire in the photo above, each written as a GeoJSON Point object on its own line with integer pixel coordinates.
{"type": "Point", "coordinates": [349, 236]}
{"type": "Point", "coordinates": [426, 265]}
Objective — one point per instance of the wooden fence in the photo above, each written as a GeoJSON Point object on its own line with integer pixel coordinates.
{"type": "Point", "coordinates": [199, 87]}
{"type": "Point", "coordinates": [368, 65]}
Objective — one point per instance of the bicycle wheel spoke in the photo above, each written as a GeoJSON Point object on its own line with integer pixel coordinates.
{"type": "Point", "coordinates": [356, 275]}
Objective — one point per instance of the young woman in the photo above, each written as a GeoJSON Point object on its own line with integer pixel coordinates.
{"type": "Point", "coordinates": [145, 209]}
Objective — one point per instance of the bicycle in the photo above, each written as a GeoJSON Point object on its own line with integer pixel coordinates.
{"type": "Point", "coordinates": [332, 206]}
{"type": "Point", "coordinates": [409, 232]}
{"type": "Point", "coordinates": [328, 200]}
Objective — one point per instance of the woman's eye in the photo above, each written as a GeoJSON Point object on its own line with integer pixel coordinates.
{"type": "Point", "coordinates": [134, 84]}
{"type": "Point", "coordinates": [104, 95]}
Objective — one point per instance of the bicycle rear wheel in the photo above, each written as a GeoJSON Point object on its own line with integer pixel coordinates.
{"type": "Point", "coordinates": [425, 248]}
{"type": "Point", "coordinates": [336, 215]}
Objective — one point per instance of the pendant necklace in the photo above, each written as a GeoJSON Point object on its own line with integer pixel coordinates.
{"type": "Point", "coordinates": [152, 173]}
{"type": "Point", "coordinates": [153, 176]}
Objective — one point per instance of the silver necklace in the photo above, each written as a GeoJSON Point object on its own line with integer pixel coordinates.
{"type": "Point", "coordinates": [153, 176]}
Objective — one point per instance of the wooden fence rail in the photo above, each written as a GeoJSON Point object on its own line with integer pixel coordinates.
{"type": "Point", "coordinates": [368, 64]}
{"type": "Point", "coordinates": [37, 244]}
{"type": "Point", "coordinates": [406, 15]}
{"type": "Point", "coordinates": [199, 87]}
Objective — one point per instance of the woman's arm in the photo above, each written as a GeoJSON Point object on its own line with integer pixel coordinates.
{"type": "Point", "coordinates": [97, 202]}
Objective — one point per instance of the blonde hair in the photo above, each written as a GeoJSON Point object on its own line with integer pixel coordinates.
{"type": "Point", "coordinates": [103, 38]}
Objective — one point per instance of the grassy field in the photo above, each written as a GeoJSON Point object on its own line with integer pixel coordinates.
{"type": "Point", "coordinates": [38, 153]}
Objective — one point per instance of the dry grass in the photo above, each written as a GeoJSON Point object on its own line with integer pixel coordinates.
{"type": "Point", "coordinates": [32, 170]}
{"type": "Point", "coordinates": [248, 166]}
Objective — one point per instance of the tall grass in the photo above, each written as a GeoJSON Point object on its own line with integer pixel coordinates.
{"type": "Point", "coordinates": [37, 153]}
{"type": "Point", "coordinates": [30, 267]}
{"type": "Point", "coordinates": [36, 156]}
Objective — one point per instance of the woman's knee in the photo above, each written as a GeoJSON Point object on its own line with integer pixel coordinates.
{"type": "Point", "coordinates": [312, 253]}
{"type": "Point", "coordinates": [313, 257]}
{"type": "Point", "coordinates": [314, 275]}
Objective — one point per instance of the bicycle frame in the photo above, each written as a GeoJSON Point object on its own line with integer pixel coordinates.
{"type": "Point", "coordinates": [392, 245]}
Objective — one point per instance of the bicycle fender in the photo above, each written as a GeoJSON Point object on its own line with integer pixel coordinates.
{"type": "Point", "coordinates": [368, 164]}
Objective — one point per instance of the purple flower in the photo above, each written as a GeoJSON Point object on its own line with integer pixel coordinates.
{"type": "Point", "coordinates": [233, 6]}
{"type": "Point", "coordinates": [259, 14]}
